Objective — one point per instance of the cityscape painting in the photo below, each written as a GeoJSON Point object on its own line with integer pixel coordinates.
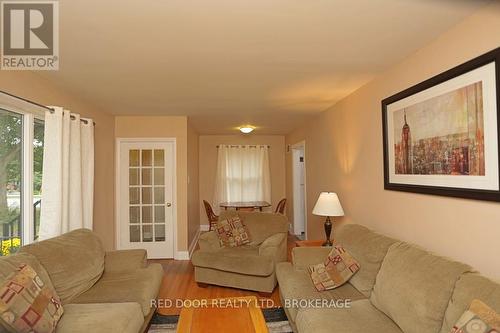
{"type": "Point", "coordinates": [441, 135]}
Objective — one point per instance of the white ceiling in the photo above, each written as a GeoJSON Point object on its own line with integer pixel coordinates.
{"type": "Point", "coordinates": [224, 63]}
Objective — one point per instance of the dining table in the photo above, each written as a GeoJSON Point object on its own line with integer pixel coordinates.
{"type": "Point", "coordinates": [238, 205]}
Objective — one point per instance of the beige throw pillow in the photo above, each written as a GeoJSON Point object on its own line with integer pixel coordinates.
{"type": "Point", "coordinates": [337, 269]}
{"type": "Point", "coordinates": [479, 318]}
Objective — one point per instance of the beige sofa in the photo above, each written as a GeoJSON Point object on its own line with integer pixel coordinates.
{"type": "Point", "coordinates": [399, 288]}
{"type": "Point", "coordinates": [100, 291]}
{"type": "Point", "coordinates": [251, 266]}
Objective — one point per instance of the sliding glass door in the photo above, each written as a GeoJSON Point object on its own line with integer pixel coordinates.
{"type": "Point", "coordinates": [38, 132]}
{"type": "Point", "coordinates": [11, 144]}
{"type": "Point", "coordinates": [21, 154]}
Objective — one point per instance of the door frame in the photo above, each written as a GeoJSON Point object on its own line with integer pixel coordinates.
{"type": "Point", "coordinates": [299, 146]}
{"type": "Point", "coordinates": [118, 186]}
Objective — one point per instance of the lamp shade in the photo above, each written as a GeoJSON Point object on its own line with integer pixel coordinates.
{"type": "Point", "coordinates": [328, 204]}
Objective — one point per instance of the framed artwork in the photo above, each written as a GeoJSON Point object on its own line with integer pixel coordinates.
{"type": "Point", "coordinates": [441, 136]}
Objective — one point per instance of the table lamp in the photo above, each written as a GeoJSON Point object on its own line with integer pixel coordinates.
{"type": "Point", "coordinates": [328, 204]}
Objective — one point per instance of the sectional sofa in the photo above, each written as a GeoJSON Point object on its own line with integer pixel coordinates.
{"type": "Point", "coordinates": [101, 292]}
{"type": "Point", "coordinates": [399, 288]}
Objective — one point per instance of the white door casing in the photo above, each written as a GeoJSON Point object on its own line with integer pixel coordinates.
{"type": "Point", "coordinates": [145, 196]}
{"type": "Point", "coordinates": [299, 189]}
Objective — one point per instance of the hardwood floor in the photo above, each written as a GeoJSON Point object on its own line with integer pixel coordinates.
{"type": "Point", "coordinates": [179, 284]}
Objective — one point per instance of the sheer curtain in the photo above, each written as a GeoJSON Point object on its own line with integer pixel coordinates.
{"type": "Point", "coordinates": [68, 174]}
{"type": "Point", "coordinates": [242, 174]}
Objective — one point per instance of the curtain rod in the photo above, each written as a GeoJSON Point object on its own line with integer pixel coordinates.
{"type": "Point", "coordinates": [245, 146]}
{"type": "Point", "coordinates": [51, 110]}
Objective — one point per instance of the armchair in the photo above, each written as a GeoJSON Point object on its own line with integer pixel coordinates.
{"type": "Point", "coordinates": [251, 266]}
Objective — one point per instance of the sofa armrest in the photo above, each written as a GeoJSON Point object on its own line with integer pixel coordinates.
{"type": "Point", "coordinates": [275, 247]}
{"type": "Point", "coordinates": [124, 260]}
{"type": "Point", "coordinates": [303, 257]}
{"type": "Point", "coordinates": [209, 241]}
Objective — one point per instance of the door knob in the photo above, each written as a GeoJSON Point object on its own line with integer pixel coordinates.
{"type": "Point", "coordinates": [169, 204]}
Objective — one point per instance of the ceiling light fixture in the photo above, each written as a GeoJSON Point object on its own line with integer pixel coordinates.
{"type": "Point", "coordinates": [246, 129]}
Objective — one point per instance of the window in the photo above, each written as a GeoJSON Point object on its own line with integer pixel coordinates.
{"type": "Point", "coordinates": [21, 155]}
{"type": "Point", "coordinates": [242, 174]}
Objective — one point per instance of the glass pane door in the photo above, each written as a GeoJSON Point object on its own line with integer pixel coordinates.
{"type": "Point", "coordinates": [146, 200]}
{"type": "Point", "coordinates": [147, 195]}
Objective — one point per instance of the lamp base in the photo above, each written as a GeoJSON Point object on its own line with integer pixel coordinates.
{"type": "Point", "coordinates": [327, 243]}
{"type": "Point", "coordinates": [328, 231]}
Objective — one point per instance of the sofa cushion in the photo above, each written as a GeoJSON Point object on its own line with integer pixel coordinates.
{"type": "Point", "coordinates": [242, 260]}
{"type": "Point", "coordinates": [413, 287]}
{"type": "Point", "coordinates": [265, 284]}
{"type": "Point", "coordinates": [74, 261]}
{"type": "Point", "coordinates": [28, 301]}
{"type": "Point", "coordinates": [303, 257]}
{"type": "Point", "coordinates": [368, 248]}
{"type": "Point", "coordinates": [139, 286]}
{"type": "Point", "coordinates": [362, 317]}
{"type": "Point", "coordinates": [124, 260]}
{"type": "Point", "coordinates": [337, 269]}
{"type": "Point", "coordinates": [470, 286]}
{"type": "Point", "coordinates": [101, 318]}
{"type": "Point", "coordinates": [260, 225]}
{"type": "Point", "coordinates": [296, 284]}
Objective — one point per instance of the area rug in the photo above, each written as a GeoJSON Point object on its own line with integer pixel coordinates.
{"type": "Point", "coordinates": [276, 322]}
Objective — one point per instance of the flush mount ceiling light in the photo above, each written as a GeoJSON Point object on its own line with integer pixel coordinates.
{"type": "Point", "coordinates": [246, 129]}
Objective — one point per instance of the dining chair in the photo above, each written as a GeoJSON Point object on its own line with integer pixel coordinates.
{"type": "Point", "coordinates": [212, 218]}
{"type": "Point", "coordinates": [280, 208]}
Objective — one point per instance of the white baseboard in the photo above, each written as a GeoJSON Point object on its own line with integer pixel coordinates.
{"type": "Point", "coordinates": [181, 255]}
{"type": "Point", "coordinates": [186, 255]}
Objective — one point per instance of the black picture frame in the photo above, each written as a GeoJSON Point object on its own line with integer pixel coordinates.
{"type": "Point", "coordinates": [469, 193]}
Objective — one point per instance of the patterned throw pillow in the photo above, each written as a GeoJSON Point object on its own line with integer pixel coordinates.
{"type": "Point", "coordinates": [27, 303]}
{"type": "Point", "coordinates": [232, 232]}
{"type": "Point", "coordinates": [480, 318]}
{"type": "Point", "coordinates": [337, 269]}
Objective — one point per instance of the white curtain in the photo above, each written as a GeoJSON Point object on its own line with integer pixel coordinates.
{"type": "Point", "coordinates": [242, 174]}
{"type": "Point", "coordinates": [68, 173]}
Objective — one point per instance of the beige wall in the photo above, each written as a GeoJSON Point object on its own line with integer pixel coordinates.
{"type": "Point", "coordinates": [31, 86]}
{"type": "Point", "coordinates": [164, 127]}
{"type": "Point", "coordinates": [208, 164]}
{"type": "Point", "coordinates": [193, 183]}
{"type": "Point", "coordinates": [344, 154]}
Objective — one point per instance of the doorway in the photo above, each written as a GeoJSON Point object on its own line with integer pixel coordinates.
{"type": "Point", "coordinates": [299, 190]}
{"type": "Point", "coordinates": [145, 196]}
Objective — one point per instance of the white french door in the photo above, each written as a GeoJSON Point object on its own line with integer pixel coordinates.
{"type": "Point", "coordinates": [145, 207]}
